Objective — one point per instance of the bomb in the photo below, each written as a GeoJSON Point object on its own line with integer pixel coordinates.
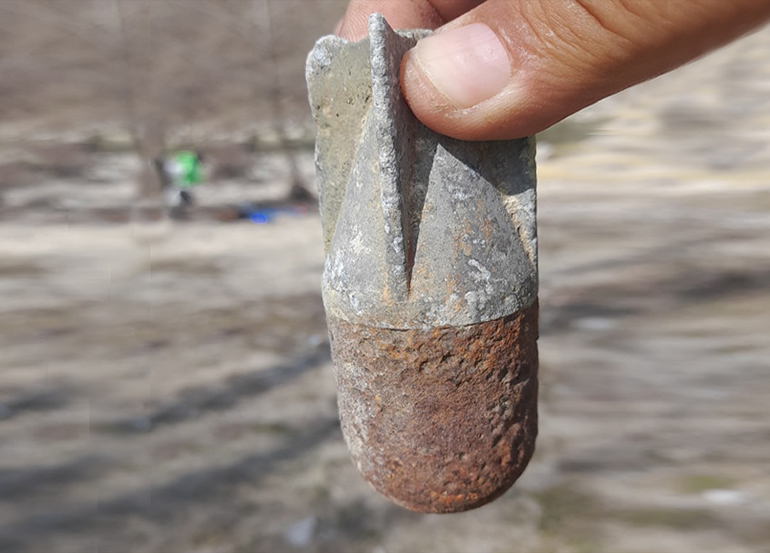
{"type": "Point", "coordinates": [430, 284]}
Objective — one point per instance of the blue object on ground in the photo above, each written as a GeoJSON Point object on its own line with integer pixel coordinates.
{"type": "Point", "coordinates": [261, 217]}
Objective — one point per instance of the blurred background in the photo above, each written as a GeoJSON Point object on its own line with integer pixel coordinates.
{"type": "Point", "coordinates": [165, 386]}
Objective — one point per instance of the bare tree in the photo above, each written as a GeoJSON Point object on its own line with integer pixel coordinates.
{"type": "Point", "coordinates": [144, 117]}
{"type": "Point", "coordinates": [160, 70]}
{"type": "Point", "coordinates": [297, 186]}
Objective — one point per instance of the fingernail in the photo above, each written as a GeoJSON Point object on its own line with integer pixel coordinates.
{"type": "Point", "coordinates": [467, 65]}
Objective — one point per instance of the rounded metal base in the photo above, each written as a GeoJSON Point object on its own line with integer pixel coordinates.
{"type": "Point", "coordinates": [441, 420]}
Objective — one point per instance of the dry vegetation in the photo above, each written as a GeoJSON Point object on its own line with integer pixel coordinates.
{"type": "Point", "coordinates": [152, 74]}
{"type": "Point", "coordinates": [67, 64]}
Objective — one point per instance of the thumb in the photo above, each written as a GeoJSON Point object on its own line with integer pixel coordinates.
{"type": "Point", "coordinates": [511, 68]}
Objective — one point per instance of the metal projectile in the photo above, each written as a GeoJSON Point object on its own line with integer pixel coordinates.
{"type": "Point", "coordinates": [430, 284]}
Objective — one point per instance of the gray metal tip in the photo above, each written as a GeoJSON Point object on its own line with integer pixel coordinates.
{"type": "Point", "coordinates": [377, 24]}
{"type": "Point", "coordinates": [421, 231]}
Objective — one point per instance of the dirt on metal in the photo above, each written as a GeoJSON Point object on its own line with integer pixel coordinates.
{"type": "Point", "coordinates": [441, 420]}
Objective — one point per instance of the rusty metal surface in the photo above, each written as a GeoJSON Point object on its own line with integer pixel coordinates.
{"type": "Point", "coordinates": [442, 420]}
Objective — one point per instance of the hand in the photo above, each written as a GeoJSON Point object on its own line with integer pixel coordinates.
{"type": "Point", "coordinates": [499, 69]}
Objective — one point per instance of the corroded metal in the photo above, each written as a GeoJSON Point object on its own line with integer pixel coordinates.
{"type": "Point", "coordinates": [430, 284]}
{"type": "Point", "coordinates": [439, 420]}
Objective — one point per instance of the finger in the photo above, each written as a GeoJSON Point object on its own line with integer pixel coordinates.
{"type": "Point", "coordinates": [511, 68]}
{"type": "Point", "coordinates": [400, 14]}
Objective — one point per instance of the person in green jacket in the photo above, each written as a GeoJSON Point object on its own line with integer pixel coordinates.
{"type": "Point", "coordinates": [181, 172]}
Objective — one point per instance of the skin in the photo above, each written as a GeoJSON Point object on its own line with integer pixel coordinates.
{"type": "Point", "coordinates": [564, 54]}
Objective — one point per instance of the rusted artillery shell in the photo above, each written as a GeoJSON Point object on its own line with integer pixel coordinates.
{"type": "Point", "coordinates": [430, 284]}
{"type": "Point", "coordinates": [440, 420]}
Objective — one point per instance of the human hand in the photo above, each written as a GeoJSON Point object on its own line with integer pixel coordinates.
{"type": "Point", "coordinates": [499, 69]}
